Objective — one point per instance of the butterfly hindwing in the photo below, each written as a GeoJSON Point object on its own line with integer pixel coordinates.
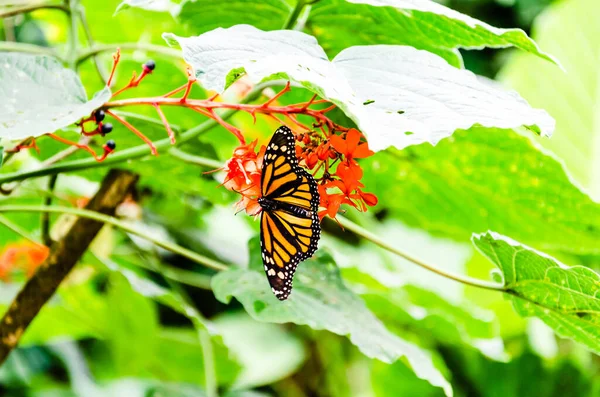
{"type": "Point", "coordinates": [289, 233]}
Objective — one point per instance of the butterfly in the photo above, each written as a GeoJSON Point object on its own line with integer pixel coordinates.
{"type": "Point", "coordinates": [289, 224]}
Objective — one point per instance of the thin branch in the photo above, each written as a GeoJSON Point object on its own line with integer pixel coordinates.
{"type": "Point", "coordinates": [91, 42]}
{"type": "Point", "coordinates": [193, 279]}
{"type": "Point", "coordinates": [9, 46]}
{"type": "Point", "coordinates": [346, 223]}
{"type": "Point", "coordinates": [296, 12]}
{"type": "Point", "coordinates": [33, 7]}
{"type": "Point", "coordinates": [98, 217]}
{"type": "Point", "coordinates": [17, 229]}
{"type": "Point", "coordinates": [193, 159]}
{"type": "Point", "coordinates": [100, 48]}
{"type": "Point", "coordinates": [65, 254]}
{"type": "Point", "coordinates": [73, 33]}
{"type": "Point", "coordinates": [45, 215]}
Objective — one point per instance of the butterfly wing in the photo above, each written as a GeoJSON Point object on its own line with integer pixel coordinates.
{"type": "Point", "coordinates": [290, 234]}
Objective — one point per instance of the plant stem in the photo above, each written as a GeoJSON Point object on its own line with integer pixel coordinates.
{"type": "Point", "coordinates": [348, 224]}
{"type": "Point", "coordinates": [17, 229]}
{"type": "Point", "coordinates": [121, 225]}
{"type": "Point", "coordinates": [73, 33]}
{"type": "Point", "coordinates": [32, 7]}
{"type": "Point", "coordinates": [46, 215]}
{"type": "Point", "coordinates": [99, 48]}
{"type": "Point", "coordinates": [182, 276]}
{"type": "Point", "coordinates": [9, 46]}
{"type": "Point", "coordinates": [192, 159]}
{"type": "Point", "coordinates": [296, 12]}
{"type": "Point", "coordinates": [91, 42]}
{"type": "Point", "coordinates": [131, 153]}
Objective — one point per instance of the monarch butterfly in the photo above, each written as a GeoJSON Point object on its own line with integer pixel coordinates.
{"type": "Point", "coordinates": [289, 225]}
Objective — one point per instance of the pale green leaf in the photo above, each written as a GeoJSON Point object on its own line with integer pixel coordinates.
{"type": "Point", "coordinates": [570, 30]}
{"type": "Point", "coordinates": [564, 297]}
{"type": "Point", "coordinates": [423, 24]}
{"type": "Point", "coordinates": [40, 96]}
{"type": "Point", "coordinates": [397, 95]}
{"type": "Point", "coordinates": [322, 301]}
{"type": "Point", "coordinates": [486, 180]}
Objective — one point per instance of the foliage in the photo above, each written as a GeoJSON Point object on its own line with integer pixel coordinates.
{"type": "Point", "coordinates": [419, 161]}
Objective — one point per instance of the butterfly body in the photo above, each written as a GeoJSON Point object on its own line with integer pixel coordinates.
{"type": "Point", "coordinates": [272, 205]}
{"type": "Point", "coordinates": [290, 227]}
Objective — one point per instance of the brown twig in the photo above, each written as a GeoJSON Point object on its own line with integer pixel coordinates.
{"type": "Point", "coordinates": [63, 257]}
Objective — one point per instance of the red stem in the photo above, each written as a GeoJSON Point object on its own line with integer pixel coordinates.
{"type": "Point", "coordinates": [134, 130]}
{"type": "Point", "coordinates": [318, 115]}
{"type": "Point", "coordinates": [175, 91]}
{"type": "Point", "coordinates": [80, 146]}
{"type": "Point", "coordinates": [165, 122]}
{"type": "Point", "coordinates": [277, 96]}
{"type": "Point", "coordinates": [116, 58]}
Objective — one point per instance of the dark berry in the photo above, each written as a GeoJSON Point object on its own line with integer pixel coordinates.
{"type": "Point", "coordinates": [99, 115]}
{"type": "Point", "coordinates": [106, 128]}
{"type": "Point", "coordinates": [111, 144]}
{"type": "Point", "coordinates": [150, 65]}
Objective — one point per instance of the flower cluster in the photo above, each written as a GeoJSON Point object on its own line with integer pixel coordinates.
{"type": "Point", "coordinates": [342, 185]}
{"type": "Point", "coordinates": [331, 158]}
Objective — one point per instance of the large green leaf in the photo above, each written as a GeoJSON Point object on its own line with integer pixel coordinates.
{"type": "Point", "coordinates": [397, 95]}
{"type": "Point", "coordinates": [40, 96]}
{"type": "Point", "coordinates": [266, 352]}
{"type": "Point", "coordinates": [568, 29]}
{"type": "Point", "coordinates": [423, 24]}
{"type": "Point", "coordinates": [476, 181]}
{"type": "Point", "coordinates": [200, 16]}
{"type": "Point", "coordinates": [564, 297]}
{"type": "Point", "coordinates": [148, 5]}
{"type": "Point", "coordinates": [322, 301]}
{"type": "Point", "coordinates": [424, 312]}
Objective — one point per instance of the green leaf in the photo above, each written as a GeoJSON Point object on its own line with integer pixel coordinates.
{"type": "Point", "coordinates": [486, 180]}
{"type": "Point", "coordinates": [424, 312]}
{"type": "Point", "coordinates": [411, 94]}
{"type": "Point", "coordinates": [423, 24]}
{"type": "Point", "coordinates": [148, 5]}
{"type": "Point", "coordinates": [322, 301]}
{"type": "Point", "coordinates": [573, 98]}
{"type": "Point", "coordinates": [41, 96]}
{"type": "Point", "coordinates": [396, 380]}
{"type": "Point", "coordinates": [134, 326]}
{"type": "Point", "coordinates": [564, 297]}
{"type": "Point", "coordinates": [266, 352]}
{"type": "Point", "coordinates": [200, 16]}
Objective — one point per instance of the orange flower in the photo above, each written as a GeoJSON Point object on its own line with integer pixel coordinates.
{"type": "Point", "coordinates": [243, 172]}
{"type": "Point", "coordinates": [26, 255]}
{"type": "Point", "coordinates": [330, 202]}
{"type": "Point", "coordinates": [351, 147]}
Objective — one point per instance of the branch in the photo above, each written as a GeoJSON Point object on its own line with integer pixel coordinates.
{"type": "Point", "coordinates": [63, 257]}
{"type": "Point", "coordinates": [98, 217]}
{"type": "Point", "coordinates": [99, 48]}
{"type": "Point", "coordinates": [348, 224]}
{"type": "Point", "coordinates": [296, 12]}
{"type": "Point", "coordinates": [46, 216]}
{"type": "Point", "coordinates": [10, 46]}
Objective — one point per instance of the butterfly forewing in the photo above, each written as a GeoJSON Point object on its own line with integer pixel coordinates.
{"type": "Point", "coordinates": [290, 232]}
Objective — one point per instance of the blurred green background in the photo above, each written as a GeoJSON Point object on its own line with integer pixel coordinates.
{"type": "Point", "coordinates": [117, 328]}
